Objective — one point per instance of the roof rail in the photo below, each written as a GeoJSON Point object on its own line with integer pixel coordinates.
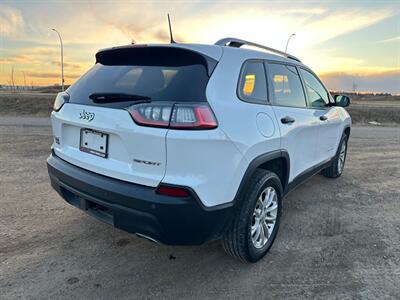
{"type": "Point", "coordinates": [234, 42]}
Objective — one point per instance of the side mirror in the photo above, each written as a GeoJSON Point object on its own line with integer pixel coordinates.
{"type": "Point", "coordinates": [342, 100]}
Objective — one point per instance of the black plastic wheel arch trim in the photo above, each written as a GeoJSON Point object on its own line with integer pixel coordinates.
{"type": "Point", "coordinates": [256, 163]}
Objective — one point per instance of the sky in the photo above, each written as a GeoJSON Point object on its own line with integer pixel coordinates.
{"type": "Point", "coordinates": [349, 44]}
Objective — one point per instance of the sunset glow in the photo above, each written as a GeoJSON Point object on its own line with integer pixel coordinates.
{"type": "Point", "coordinates": [346, 42]}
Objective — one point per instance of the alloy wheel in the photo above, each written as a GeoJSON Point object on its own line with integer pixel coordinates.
{"type": "Point", "coordinates": [264, 217]}
{"type": "Point", "coordinates": [342, 157]}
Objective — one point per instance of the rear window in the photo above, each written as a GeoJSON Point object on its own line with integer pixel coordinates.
{"type": "Point", "coordinates": [160, 73]}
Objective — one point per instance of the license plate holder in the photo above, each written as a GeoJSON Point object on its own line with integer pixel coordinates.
{"type": "Point", "coordinates": [94, 142]}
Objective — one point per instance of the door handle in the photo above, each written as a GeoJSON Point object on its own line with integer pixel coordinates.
{"type": "Point", "coordinates": [323, 118]}
{"type": "Point", "coordinates": [287, 120]}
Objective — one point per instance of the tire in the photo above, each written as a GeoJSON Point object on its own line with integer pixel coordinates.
{"type": "Point", "coordinates": [238, 240]}
{"type": "Point", "coordinates": [335, 170]}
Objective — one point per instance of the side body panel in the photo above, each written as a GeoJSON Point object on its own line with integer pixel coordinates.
{"type": "Point", "coordinates": [206, 161]}
{"type": "Point", "coordinates": [213, 163]}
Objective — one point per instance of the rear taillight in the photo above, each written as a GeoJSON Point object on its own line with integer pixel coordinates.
{"type": "Point", "coordinates": [60, 100]}
{"type": "Point", "coordinates": [176, 116]}
{"type": "Point", "coordinates": [147, 114]}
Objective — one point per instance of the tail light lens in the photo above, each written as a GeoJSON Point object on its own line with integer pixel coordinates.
{"type": "Point", "coordinates": [148, 114]}
{"type": "Point", "coordinates": [192, 116]}
{"type": "Point", "coordinates": [176, 116]}
{"type": "Point", "coordinates": [60, 100]}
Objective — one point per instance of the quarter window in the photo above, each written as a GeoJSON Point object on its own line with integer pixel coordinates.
{"type": "Point", "coordinates": [287, 87]}
{"type": "Point", "coordinates": [317, 94]}
{"type": "Point", "coordinates": [253, 83]}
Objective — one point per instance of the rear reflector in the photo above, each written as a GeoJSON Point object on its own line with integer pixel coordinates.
{"type": "Point", "coordinates": [172, 191]}
{"type": "Point", "coordinates": [176, 116]}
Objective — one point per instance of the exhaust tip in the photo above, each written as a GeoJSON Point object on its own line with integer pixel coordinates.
{"type": "Point", "coordinates": [147, 238]}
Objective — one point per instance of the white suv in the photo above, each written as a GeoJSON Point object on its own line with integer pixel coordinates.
{"type": "Point", "coordinates": [186, 143]}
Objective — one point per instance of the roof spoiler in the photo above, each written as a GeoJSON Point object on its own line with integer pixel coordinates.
{"type": "Point", "coordinates": [149, 55]}
{"type": "Point", "coordinates": [237, 43]}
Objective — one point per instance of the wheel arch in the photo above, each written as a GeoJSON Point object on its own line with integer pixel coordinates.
{"type": "Point", "coordinates": [347, 130]}
{"type": "Point", "coordinates": [275, 161]}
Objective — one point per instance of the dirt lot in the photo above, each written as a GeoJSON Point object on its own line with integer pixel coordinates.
{"type": "Point", "coordinates": [383, 109]}
{"type": "Point", "coordinates": [28, 104]}
{"type": "Point", "coordinates": [339, 238]}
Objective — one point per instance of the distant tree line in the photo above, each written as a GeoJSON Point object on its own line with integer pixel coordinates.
{"type": "Point", "coordinates": [359, 94]}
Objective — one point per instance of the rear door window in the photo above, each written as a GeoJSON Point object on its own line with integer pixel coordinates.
{"type": "Point", "coordinates": [253, 83]}
{"type": "Point", "coordinates": [286, 85]}
{"type": "Point", "coordinates": [161, 74]}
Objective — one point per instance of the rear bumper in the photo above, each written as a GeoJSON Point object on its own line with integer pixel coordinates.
{"type": "Point", "coordinates": [136, 208]}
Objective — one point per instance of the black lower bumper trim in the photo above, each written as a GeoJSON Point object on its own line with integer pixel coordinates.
{"type": "Point", "coordinates": [136, 208]}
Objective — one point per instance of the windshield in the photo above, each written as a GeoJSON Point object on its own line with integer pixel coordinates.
{"type": "Point", "coordinates": [168, 75]}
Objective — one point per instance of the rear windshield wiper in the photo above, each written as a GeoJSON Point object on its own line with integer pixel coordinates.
{"type": "Point", "coordinates": [116, 97]}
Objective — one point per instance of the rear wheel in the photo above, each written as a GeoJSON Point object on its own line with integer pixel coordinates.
{"type": "Point", "coordinates": [336, 169]}
{"type": "Point", "coordinates": [257, 218]}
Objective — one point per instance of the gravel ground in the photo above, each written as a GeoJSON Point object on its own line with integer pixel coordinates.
{"type": "Point", "coordinates": [338, 238]}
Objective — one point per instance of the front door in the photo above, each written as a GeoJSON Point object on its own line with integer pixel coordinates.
{"type": "Point", "coordinates": [329, 117]}
{"type": "Point", "coordinates": [298, 125]}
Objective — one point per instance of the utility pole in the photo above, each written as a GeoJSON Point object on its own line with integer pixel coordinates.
{"type": "Point", "coordinates": [354, 87]}
{"type": "Point", "coordinates": [287, 43]}
{"type": "Point", "coordinates": [23, 72]}
{"type": "Point", "coordinates": [12, 77]}
{"type": "Point", "coordinates": [62, 59]}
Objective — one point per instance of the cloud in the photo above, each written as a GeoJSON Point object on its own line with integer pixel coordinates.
{"type": "Point", "coordinates": [41, 51]}
{"type": "Point", "coordinates": [11, 21]}
{"type": "Point", "coordinates": [19, 59]}
{"type": "Point", "coordinates": [377, 81]}
{"type": "Point", "coordinates": [396, 38]}
{"type": "Point", "coordinates": [323, 62]}
{"type": "Point", "coordinates": [50, 75]}
{"type": "Point", "coordinates": [38, 56]}
{"type": "Point", "coordinates": [67, 65]}
{"type": "Point", "coordinates": [142, 22]}
{"type": "Point", "coordinates": [272, 26]}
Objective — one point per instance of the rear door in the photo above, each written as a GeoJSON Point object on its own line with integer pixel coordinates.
{"type": "Point", "coordinates": [329, 117]}
{"type": "Point", "coordinates": [95, 129]}
{"type": "Point", "coordinates": [298, 124]}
